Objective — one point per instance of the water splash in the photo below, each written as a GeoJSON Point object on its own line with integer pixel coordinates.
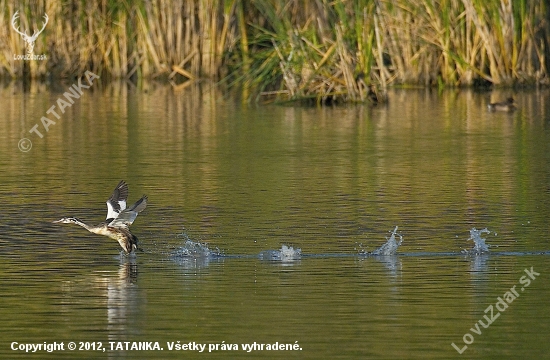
{"type": "Point", "coordinates": [195, 255]}
{"type": "Point", "coordinates": [480, 247]}
{"type": "Point", "coordinates": [286, 253]}
{"type": "Point", "coordinates": [391, 245]}
{"type": "Point", "coordinates": [192, 249]}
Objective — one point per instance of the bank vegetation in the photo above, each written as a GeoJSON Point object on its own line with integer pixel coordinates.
{"type": "Point", "coordinates": [284, 49]}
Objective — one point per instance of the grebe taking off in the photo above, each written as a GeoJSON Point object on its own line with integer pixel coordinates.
{"type": "Point", "coordinates": [118, 218]}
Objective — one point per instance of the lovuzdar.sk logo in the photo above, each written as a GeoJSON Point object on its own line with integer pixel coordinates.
{"type": "Point", "coordinates": [29, 40]}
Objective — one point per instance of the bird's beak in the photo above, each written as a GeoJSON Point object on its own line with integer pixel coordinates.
{"type": "Point", "coordinates": [57, 221]}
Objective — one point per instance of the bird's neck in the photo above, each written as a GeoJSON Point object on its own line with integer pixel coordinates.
{"type": "Point", "coordinates": [80, 223]}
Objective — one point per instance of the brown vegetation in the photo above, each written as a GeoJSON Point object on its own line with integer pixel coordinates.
{"type": "Point", "coordinates": [311, 49]}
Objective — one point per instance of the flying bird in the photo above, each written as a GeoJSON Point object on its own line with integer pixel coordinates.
{"type": "Point", "coordinates": [119, 218]}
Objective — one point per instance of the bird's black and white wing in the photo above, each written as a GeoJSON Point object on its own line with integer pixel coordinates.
{"type": "Point", "coordinates": [127, 217]}
{"type": "Point", "coordinates": [117, 202]}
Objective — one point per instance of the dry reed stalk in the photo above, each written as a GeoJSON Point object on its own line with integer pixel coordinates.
{"type": "Point", "coordinates": [346, 65]}
{"type": "Point", "coordinates": [382, 71]}
{"type": "Point", "coordinates": [207, 13]}
{"type": "Point", "coordinates": [149, 46]}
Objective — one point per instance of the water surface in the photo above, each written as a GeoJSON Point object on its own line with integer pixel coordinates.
{"type": "Point", "coordinates": [331, 181]}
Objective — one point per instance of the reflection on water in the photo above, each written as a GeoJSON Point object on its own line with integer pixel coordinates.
{"type": "Point", "coordinates": [392, 262]}
{"type": "Point", "coordinates": [122, 298]}
{"type": "Point", "coordinates": [115, 292]}
{"type": "Point", "coordinates": [297, 186]}
{"type": "Point", "coordinates": [479, 264]}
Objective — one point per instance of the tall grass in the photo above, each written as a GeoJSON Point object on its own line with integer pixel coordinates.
{"type": "Point", "coordinates": [119, 39]}
{"type": "Point", "coordinates": [336, 49]}
{"type": "Point", "coordinates": [323, 50]}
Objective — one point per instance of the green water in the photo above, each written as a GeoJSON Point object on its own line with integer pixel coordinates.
{"type": "Point", "coordinates": [330, 181]}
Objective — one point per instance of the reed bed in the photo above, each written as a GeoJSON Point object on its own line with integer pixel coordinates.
{"type": "Point", "coordinates": [118, 39]}
{"type": "Point", "coordinates": [320, 50]}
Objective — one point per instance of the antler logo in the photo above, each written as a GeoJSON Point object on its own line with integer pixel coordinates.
{"type": "Point", "coordinates": [28, 39]}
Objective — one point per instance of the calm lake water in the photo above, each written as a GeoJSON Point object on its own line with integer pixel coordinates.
{"type": "Point", "coordinates": [331, 181]}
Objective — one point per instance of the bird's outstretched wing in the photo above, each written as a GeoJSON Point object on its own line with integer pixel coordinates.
{"type": "Point", "coordinates": [127, 217]}
{"type": "Point", "coordinates": [117, 202]}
